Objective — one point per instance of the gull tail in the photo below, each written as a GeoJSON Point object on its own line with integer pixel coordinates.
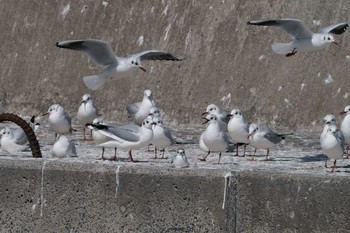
{"type": "Point", "coordinates": [282, 48]}
{"type": "Point", "coordinates": [94, 82]}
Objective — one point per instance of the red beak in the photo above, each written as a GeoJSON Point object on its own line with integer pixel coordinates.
{"type": "Point", "coordinates": [143, 69]}
{"type": "Point", "coordinates": [204, 113]}
{"type": "Point", "coordinates": [205, 120]}
{"type": "Point", "coordinates": [335, 43]}
{"type": "Point", "coordinates": [342, 113]}
{"type": "Point", "coordinates": [46, 113]}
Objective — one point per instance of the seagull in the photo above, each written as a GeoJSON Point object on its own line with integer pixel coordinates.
{"type": "Point", "coordinates": [345, 127]}
{"type": "Point", "coordinates": [223, 117]}
{"type": "Point", "coordinates": [264, 138]}
{"type": "Point", "coordinates": [161, 136]}
{"type": "Point", "coordinates": [213, 137]}
{"type": "Point", "coordinates": [63, 147]}
{"type": "Point", "coordinates": [87, 112]}
{"type": "Point", "coordinates": [304, 40]}
{"type": "Point", "coordinates": [114, 67]}
{"type": "Point", "coordinates": [332, 145]}
{"type": "Point", "coordinates": [238, 129]}
{"type": "Point", "coordinates": [59, 120]}
{"type": "Point", "coordinates": [140, 110]}
{"type": "Point", "coordinates": [201, 143]}
{"type": "Point", "coordinates": [330, 120]}
{"type": "Point", "coordinates": [180, 159]}
{"type": "Point", "coordinates": [10, 142]}
{"type": "Point", "coordinates": [100, 138]}
{"type": "Point", "coordinates": [127, 136]}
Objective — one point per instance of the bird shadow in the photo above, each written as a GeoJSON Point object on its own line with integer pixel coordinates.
{"type": "Point", "coordinates": [313, 158]}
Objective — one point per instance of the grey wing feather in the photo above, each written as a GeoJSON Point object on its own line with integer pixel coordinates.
{"type": "Point", "coordinates": [168, 135]}
{"type": "Point", "coordinates": [99, 51]}
{"type": "Point", "coordinates": [294, 27]}
{"type": "Point", "coordinates": [126, 132]}
{"type": "Point", "coordinates": [335, 28]}
{"type": "Point", "coordinates": [226, 117]}
{"type": "Point", "coordinates": [20, 136]}
{"type": "Point", "coordinates": [341, 138]}
{"type": "Point", "coordinates": [132, 109]}
{"type": "Point", "coordinates": [157, 55]}
{"type": "Point", "coordinates": [272, 136]}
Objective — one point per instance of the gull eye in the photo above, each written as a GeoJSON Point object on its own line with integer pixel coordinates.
{"type": "Point", "coordinates": [329, 38]}
{"type": "Point", "coordinates": [132, 62]}
{"type": "Point", "coordinates": [136, 63]}
{"type": "Point", "coordinates": [324, 38]}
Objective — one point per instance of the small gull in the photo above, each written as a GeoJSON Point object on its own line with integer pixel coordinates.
{"type": "Point", "coordinates": [100, 138]}
{"type": "Point", "coordinates": [59, 120]}
{"type": "Point", "coordinates": [238, 129]}
{"type": "Point", "coordinates": [264, 138]}
{"type": "Point", "coordinates": [332, 145]}
{"type": "Point", "coordinates": [10, 143]}
{"type": "Point", "coordinates": [161, 136]}
{"type": "Point", "coordinates": [304, 40]}
{"type": "Point", "coordinates": [180, 159]}
{"type": "Point", "coordinates": [330, 120]}
{"type": "Point", "coordinates": [127, 136]}
{"type": "Point", "coordinates": [223, 117]}
{"type": "Point", "coordinates": [87, 112]}
{"type": "Point", "coordinates": [114, 67]}
{"type": "Point", "coordinates": [63, 148]}
{"type": "Point", "coordinates": [213, 137]}
{"type": "Point", "coordinates": [140, 110]}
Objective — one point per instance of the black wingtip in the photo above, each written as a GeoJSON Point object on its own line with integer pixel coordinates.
{"type": "Point", "coordinates": [249, 23]}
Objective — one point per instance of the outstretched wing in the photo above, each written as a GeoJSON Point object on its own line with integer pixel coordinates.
{"type": "Point", "coordinates": [157, 55]}
{"type": "Point", "coordinates": [294, 27]}
{"type": "Point", "coordinates": [335, 28]}
{"type": "Point", "coordinates": [99, 51]}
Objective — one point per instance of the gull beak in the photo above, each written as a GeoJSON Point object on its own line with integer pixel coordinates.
{"type": "Point", "coordinates": [143, 69]}
{"type": "Point", "coordinates": [204, 113]}
{"type": "Point", "coordinates": [335, 43]}
{"type": "Point", "coordinates": [46, 113]}
{"type": "Point", "coordinates": [205, 120]}
{"type": "Point", "coordinates": [342, 113]}
{"type": "Point", "coordinates": [249, 136]}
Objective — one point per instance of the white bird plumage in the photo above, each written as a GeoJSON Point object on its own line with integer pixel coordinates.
{"type": "Point", "coordinates": [63, 148]}
{"type": "Point", "coordinates": [140, 110]}
{"type": "Point", "coordinates": [59, 120]}
{"type": "Point", "coordinates": [304, 40]}
{"type": "Point", "coordinates": [87, 112]}
{"type": "Point", "coordinates": [180, 159]}
{"type": "Point", "coordinates": [238, 129]}
{"type": "Point", "coordinates": [114, 67]}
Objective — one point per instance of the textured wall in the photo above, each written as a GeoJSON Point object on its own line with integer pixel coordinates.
{"type": "Point", "coordinates": [224, 55]}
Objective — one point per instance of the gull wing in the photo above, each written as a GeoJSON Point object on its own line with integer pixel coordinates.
{"type": "Point", "coordinates": [157, 55]}
{"type": "Point", "coordinates": [99, 51]}
{"type": "Point", "coordinates": [294, 27]}
{"type": "Point", "coordinates": [335, 28]}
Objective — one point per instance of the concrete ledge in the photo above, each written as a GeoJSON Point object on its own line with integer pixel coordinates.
{"type": "Point", "coordinates": [63, 196]}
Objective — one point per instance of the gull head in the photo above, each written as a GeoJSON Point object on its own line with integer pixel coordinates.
{"type": "Point", "coordinates": [346, 110]}
{"type": "Point", "coordinates": [54, 109]}
{"type": "Point", "coordinates": [328, 39]}
{"type": "Point", "coordinates": [329, 119]}
{"type": "Point", "coordinates": [211, 118]}
{"type": "Point", "coordinates": [147, 94]}
{"type": "Point", "coordinates": [212, 108]}
{"type": "Point", "coordinates": [236, 113]}
{"type": "Point", "coordinates": [252, 129]}
{"type": "Point", "coordinates": [137, 63]}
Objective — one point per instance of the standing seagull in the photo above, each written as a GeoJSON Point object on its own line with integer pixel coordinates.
{"type": "Point", "coordinates": [264, 138]}
{"type": "Point", "coordinates": [127, 136]}
{"type": "Point", "coordinates": [238, 129]}
{"type": "Point", "coordinates": [114, 67]}
{"type": "Point", "coordinates": [63, 148]}
{"type": "Point", "coordinates": [332, 145]}
{"type": "Point", "coordinates": [100, 138]}
{"type": "Point", "coordinates": [304, 40]}
{"type": "Point", "coordinates": [180, 159]}
{"type": "Point", "coordinates": [161, 136]}
{"type": "Point", "coordinates": [213, 137]}
{"type": "Point", "coordinates": [345, 128]}
{"type": "Point", "coordinates": [87, 112]}
{"type": "Point", "coordinates": [59, 120]}
{"type": "Point", "coordinates": [140, 110]}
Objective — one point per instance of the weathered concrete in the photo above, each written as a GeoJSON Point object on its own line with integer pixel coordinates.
{"type": "Point", "coordinates": [224, 55]}
{"type": "Point", "coordinates": [60, 196]}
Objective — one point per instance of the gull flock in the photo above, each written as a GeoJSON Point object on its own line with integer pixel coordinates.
{"type": "Point", "coordinates": [147, 127]}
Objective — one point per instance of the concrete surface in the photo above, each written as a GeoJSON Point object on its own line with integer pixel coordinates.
{"type": "Point", "coordinates": [46, 195]}
{"type": "Point", "coordinates": [224, 55]}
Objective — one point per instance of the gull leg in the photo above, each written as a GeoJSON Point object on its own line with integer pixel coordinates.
{"type": "Point", "coordinates": [347, 152]}
{"type": "Point", "coordinates": [155, 152]}
{"type": "Point", "coordinates": [237, 149]}
{"type": "Point", "coordinates": [130, 157]}
{"type": "Point", "coordinates": [91, 139]}
{"type": "Point", "coordinates": [335, 161]}
{"type": "Point", "coordinates": [291, 53]}
{"type": "Point", "coordinates": [205, 157]}
{"type": "Point", "coordinates": [325, 164]}
{"type": "Point", "coordinates": [163, 154]}
{"type": "Point", "coordinates": [253, 159]}
{"type": "Point", "coordinates": [103, 151]}
{"type": "Point", "coordinates": [84, 133]}
{"type": "Point", "coordinates": [219, 157]}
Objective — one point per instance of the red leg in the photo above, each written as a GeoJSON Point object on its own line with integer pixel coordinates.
{"type": "Point", "coordinates": [103, 151]}
{"type": "Point", "coordinates": [205, 157]}
{"type": "Point", "coordinates": [155, 152]}
{"type": "Point", "coordinates": [335, 161]}
{"type": "Point", "coordinates": [291, 53]}
{"type": "Point", "coordinates": [91, 139]}
{"type": "Point", "coordinates": [163, 154]}
{"type": "Point", "coordinates": [130, 157]}
{"type": "Point", "coordinates": [84, 132]}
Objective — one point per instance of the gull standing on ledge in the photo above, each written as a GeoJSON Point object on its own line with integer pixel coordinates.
{"type": "Point", "coordinates": [59, 121]}
{"type": "Point", "coordinates": [238, 129]}
{"type": "Point", "coordinates": [87, 112]}
{"type": "Point", "coordinates": [180, 159]}
{"type": "Point", "coordinates": [304, 40]}
{"type": "Point", "coordinates": [264, 138]}
{"type": "Point", "coordinates": [345, 128]}
{"type": "Point", "coordinates": [114, 67]}
{"type": "Point", "coordinates": [333, 145]}
{"type": "Point", "coordinates": [140, 110]}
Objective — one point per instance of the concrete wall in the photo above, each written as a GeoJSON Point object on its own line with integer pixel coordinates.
{"type": "Point", "coordinates": [58, 196]}
{"type": "Point", "coordinates": [224, 55]}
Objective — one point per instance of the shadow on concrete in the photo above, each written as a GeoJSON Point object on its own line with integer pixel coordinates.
{"type": "Point", "coordinates": [313, 158]}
